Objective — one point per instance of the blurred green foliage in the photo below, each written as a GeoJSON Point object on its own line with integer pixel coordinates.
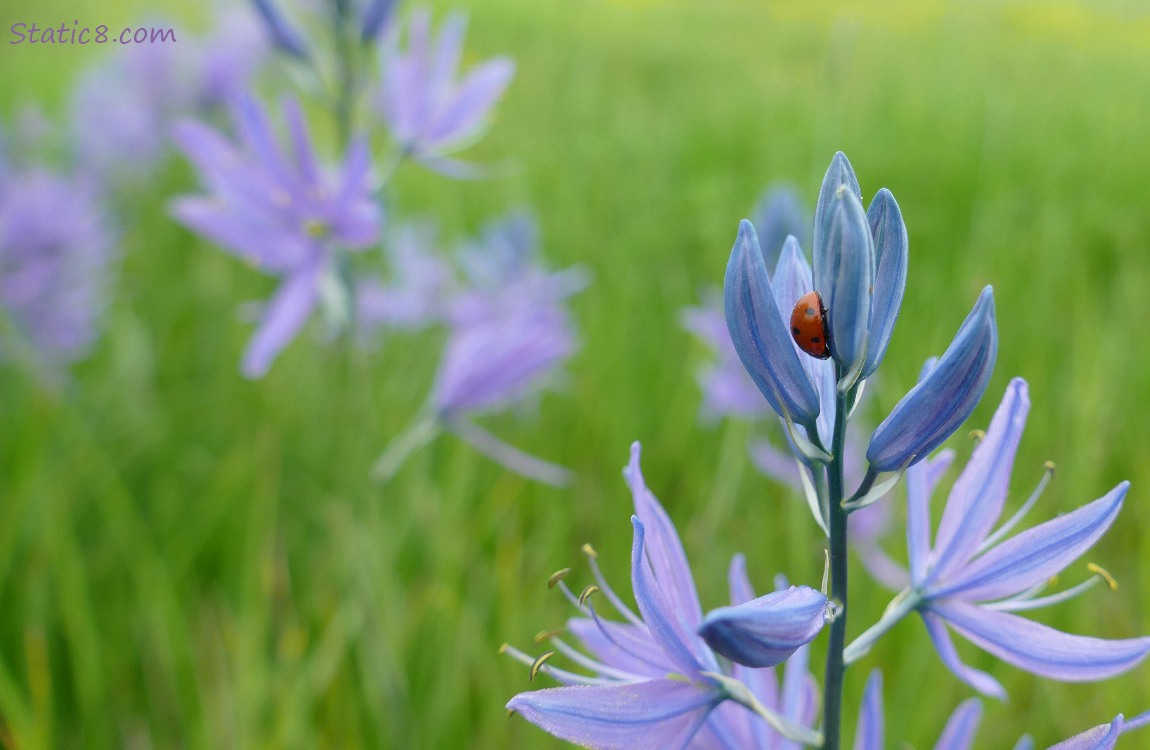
{"type": "Point", "coordinates": [188, 559]}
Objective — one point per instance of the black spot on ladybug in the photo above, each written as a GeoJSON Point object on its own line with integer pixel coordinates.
{"type": "Point", "coordinates": [795, 331]}
{"type": "Point", "coordinates": [815, 339]}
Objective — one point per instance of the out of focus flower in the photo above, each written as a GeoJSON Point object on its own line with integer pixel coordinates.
{"type": "Point", "coordinates": [280, 211]}
{"type": "Point", "coordinates": [960, 729]}
{"type": "Point", "coordinates": [958, 734]}
{"type": "Point", "coordinates": [55, 246]}
{"type": "Point", "coordinates": [972, 579]}
{"type": "Point", "coordinates": [509, 333]}
{"type": "Point", "coordinates": [432, 114]}
{"type": "Point", "coordinates": [654, 682]}
{"type": "Point", "coordinates": [727, 389]}
{"type": "Point", "coordinates": [417, 291]}
{"type": "Point", "coordinates": [122, 109]}
{"type": "Point", "coordinates": [780, 213]}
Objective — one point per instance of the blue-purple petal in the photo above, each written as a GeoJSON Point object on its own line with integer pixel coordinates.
{"type": "Point", "coordinates": [977, 497]}
{"type": "Point", "coordinates": [870, 732]}
{"type": "Point", "coordinates": [681, 646]}
{"type": "Point", "coordinates": [891, 255]}
{"type": "Point", "coordinates": [662, 714]}
{"type": "Point", "coordinates": [933, 409]}
{"type": "Point", "coordinates": [766, 631]}
{"type": "Point", "coordinates": [1036, 554]}
{"type": "Point", "coordinates": [838, 174]}
{"type": "Point", "coordinates": [961, 726]}
{"type": "Point", "coordinates": [663, 547]}
{"type": "Point", "coordinates": [759, 334]}
{"type": "Point", "coordinates": [285, 314]}
{"type": "Point", "coordinates": [849, 248]}
{"type": "Point", "coordinates": [1040, 649]}
{"type": "Point", "coordinates": [1102, 737]}
{"type": "Point", "coordinates": [977, 679]}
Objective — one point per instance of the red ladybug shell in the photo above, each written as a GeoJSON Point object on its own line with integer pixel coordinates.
{"type": "Point", "coordinates": [809, 325]}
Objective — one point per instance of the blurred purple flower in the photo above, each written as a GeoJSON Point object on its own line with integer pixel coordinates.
{"type": "Point", "coordinates": [122, 109]}
{"type": "Point", "coordinates": [728, 390]}
{"type": "Point", "coordinates": [429, 111]}
{"type": "Point", "coordinates": [655, 681]}
{"type": "Point", "coordinates": [958, 734]}
{"type": "Point", "coordinates": [972, 579]}
{"type": "Point", "coordinates": [56, 243]}
{"type": "Point", "coordinates": [781, 212]}
{"type": "Point", "coordinates": [279, 211]}
{"type": "Point", "coordinates": [419, 284]}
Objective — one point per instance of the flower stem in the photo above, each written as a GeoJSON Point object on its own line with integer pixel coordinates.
{"type": "Point", "coordinates": [833, 699]}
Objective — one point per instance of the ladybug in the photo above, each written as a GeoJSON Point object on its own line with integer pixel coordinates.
{"type": "Point", "coordinates": [809, 325]}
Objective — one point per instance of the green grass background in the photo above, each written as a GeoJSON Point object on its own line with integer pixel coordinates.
{"type": "Point", "coordinates": [188, 559]}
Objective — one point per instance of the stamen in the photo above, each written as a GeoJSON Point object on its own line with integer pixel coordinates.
{"type": "Point", "coordinates": [559, 675]}
{"type": "Point", "coordinates": [543, 635]}
{"type": "Point", "coordinates": [595, 666]}
{"type": "Point", "coordinates": [607, 634]}
{"type": "Point", "coordinates": [612, 597]}
{"type": "Point", "coordinates": [1018, 603]}
{"type": "Point", "coordinates": [586, 594]}
{"type": "Point", "coordinates": [1004, 529]}
{"type": "Point", "coordinates": [539, 662]}
{"type": "Point", "coordinates": [826, 570]}
{"type": "Point", "coordinates": [1098, 570]}
{"type": "Point", "coordinates": [571, 597]}
{"type": "Point", "coordinates": [977, 436]}
{"type": "Point", "coordinates": [557, 576]}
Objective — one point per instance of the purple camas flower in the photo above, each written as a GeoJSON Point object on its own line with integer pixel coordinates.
{"type": "Point", "coordinates": [655, 682]}
{"type": "Point", "coordinates": [510, 328]}
{"type": "Point", "coordinates": [972, 580]}
{"type": "Point", "coordinates": [432, 114]}
{"type": "Point", "coordinates": [280, 211]}
{"type": "Point", "coordinates": [55, 246]}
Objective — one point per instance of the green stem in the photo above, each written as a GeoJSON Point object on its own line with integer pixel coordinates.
{"type": "Point", "coordinates": [833, 700]}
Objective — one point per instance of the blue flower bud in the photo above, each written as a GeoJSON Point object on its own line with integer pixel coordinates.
{"type": "Point", "coordinates": [375, 18]}
{"type": "Point", "coordinates": [285, 38]}
{"type": "Point", "coordinates": [890, 246]}
{"type": "Point", "coordinates": [944, 398]}
{"type": "Point", "coordinates": [765, 631]}
{"type": "Point", "coordinates": [839, 173]}
{"type": "Point", "coordinates": [843, 268]}
{"type": "Point", "coordinates": [759, 334]}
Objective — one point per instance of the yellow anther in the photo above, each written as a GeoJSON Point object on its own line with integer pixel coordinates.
{"type": "Point", "coordinates": [1104, 574]}
{"type": "Point", "coordinates": [510, 712]}
{"type": "Point", "coordinates": [315, 228]}
{"type": "Point", "coordinates": [556, 577]}
{"type": "Point", "coordinates": [1052, 581]}
{"type": "Point", "coordinates": [586, 594]}
{"type": "Point", "coordinates": [538, 663]}
{"type": "Point", "coordinates": [503, 647]}
{"type": "Point", "coordinates": [977, 436]}
{"type": "Point", "coordinates": [590, 551]}
{"type": "Point", "coordinates": [544, 635]}
{"type": "Point", "coordinates": [1050, 467]}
